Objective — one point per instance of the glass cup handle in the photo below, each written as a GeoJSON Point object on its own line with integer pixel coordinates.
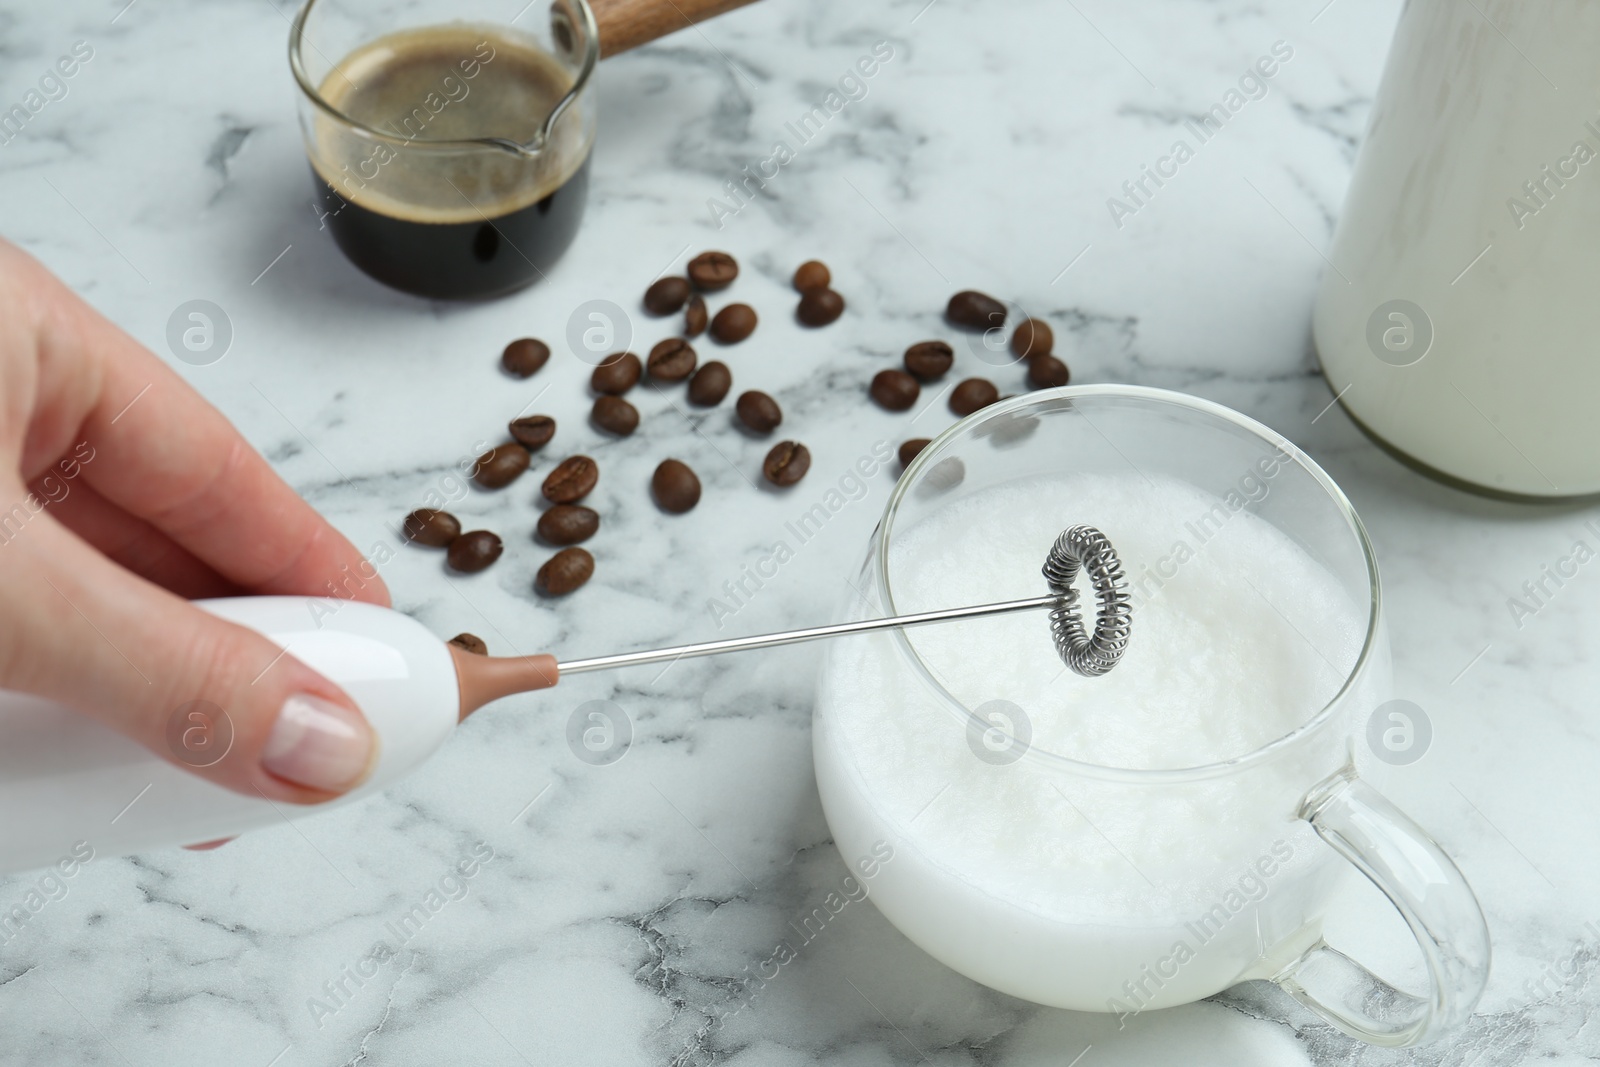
{"type": "Point", "coordinates": [1427, 888]}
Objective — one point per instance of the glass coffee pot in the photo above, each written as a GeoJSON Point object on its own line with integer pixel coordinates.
{"type": "Point", "coordinates": [450, 149]}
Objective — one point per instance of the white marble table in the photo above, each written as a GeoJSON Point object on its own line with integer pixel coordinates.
{"type": "Point", "coordinates": [620, 899]}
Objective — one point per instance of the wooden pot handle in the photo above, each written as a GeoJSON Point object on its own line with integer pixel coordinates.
{"type": "Point", "coordinates": [626, 24]}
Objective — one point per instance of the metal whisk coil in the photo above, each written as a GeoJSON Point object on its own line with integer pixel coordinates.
{"type": "Point", "coordinates": [1086, 548]}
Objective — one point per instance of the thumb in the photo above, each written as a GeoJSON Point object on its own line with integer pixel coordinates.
{"type": "Point", "coordinates": [208, 695]}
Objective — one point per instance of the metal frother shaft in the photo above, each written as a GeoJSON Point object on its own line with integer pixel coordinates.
{"type": "Point", "coordinates": [790, 637]}
{"type": "Point", "coordinates": [1078, 548]}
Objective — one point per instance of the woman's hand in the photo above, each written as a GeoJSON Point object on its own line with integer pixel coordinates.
{"type": "Point", "coordinates": [122, 494]}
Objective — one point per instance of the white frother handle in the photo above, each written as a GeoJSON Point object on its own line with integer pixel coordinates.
{"type": "Point", "coordinates": [65, 778]}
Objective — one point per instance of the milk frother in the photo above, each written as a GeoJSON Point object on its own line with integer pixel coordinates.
{"type": "Point", "coordinates": [65, 777]}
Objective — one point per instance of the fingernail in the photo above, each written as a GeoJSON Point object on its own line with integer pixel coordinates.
{"type": "Point", "coordinates": [207, 846]}
{"type": "Point", "coordinates": [318, 744]}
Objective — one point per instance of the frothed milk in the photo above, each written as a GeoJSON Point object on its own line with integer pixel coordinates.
{"type": "Point", "coordinates": [1069, 889]}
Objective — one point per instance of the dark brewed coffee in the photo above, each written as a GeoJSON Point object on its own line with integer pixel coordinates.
{"type": "Point", "coordinates": [462, 260]}
{"type": "Point", "coordinates": [442, 219]}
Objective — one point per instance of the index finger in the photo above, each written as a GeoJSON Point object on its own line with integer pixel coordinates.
{"type": "Point", "coordinates": [162, 453]}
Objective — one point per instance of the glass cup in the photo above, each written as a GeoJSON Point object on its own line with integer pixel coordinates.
{"type": "Point", "coordinates": [449, 151]}
{"type": "Point", "coordinates": [1087, 885]}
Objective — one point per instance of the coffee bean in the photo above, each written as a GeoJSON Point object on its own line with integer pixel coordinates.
{"type": "Point", "coordinates": [942, 477]}
{"type": "Point", "coordinates": [522, 358]}
{"type": "Point", "coordinates": [1047, 372]}
{"type": "Point", "coordinates": [501, 465]}
{"type": "Point", "coordinates": [758, 411]}
{"type": "Point", "coordinates": [615, 415]}
{"type": "Point", "coordinates": [533, 432]}
{"type": "Point", "coordinates": [619, 373]}
{"type": "Point", "coordinates": [909, 450]}
{"type": "Point", "coordinates": [1033, 337]}
{"type": "Point", "coordinates": [472, 552]}
{"type": "Point", "coordinates": [436, 529]}
{"type": "Point", "coordinates": [470, 643]}
{"type": "Point", "coordinates": [694, 316]}
{"type": "Point", "coordinates": [565, 571]}
{"type": "Point", "coordinates": [818, 307]}
{"type": "Point", "coordinates": [572, 480]}
{"type": "Point", "coordinates": [672, 360]}
{"type": "Point", "coordinates": [711, 271]}
{"type": "Point", "coordinates": [733, 324]}
{"type": "Point", "coordinates": [972, 394]}
{"type": "Point", "coordinates": [710, 384]}
{"type": "Point", "coordinates": [675, 486]}
{"type": "Point", "coordinates": [787, 463]}
{"type": "Point", "coordinates": [812, 274]}
{"type": "Point", "coordinates": [894, 390]}
{"type": "Point", "coordinates": [929, 360]}
{"type": "Point", "coordinates": [568, 524]}
{"type": "Point", "coordinates": [666, 295]}
{"type": "Point", "coordinates": [975, 310]}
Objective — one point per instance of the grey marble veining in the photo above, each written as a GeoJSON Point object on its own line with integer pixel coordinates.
{"type": "Point", "coordinates": [619, 905]}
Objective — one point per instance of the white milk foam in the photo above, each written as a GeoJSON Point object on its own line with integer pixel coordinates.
{"type": "Point", "coordinates": [1238, 638]}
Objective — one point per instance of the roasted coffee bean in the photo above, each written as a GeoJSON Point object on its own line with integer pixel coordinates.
{"type": "Point", "coordinates": [894, 390]}
{"type": "Point", "coordinates": [975, 310]}
{"type": "Point", "coordinates": [787, 463]}
{"type": "Point", "coordinates": [470, 643]}
{"type": "Point", "coordinates": [675, 486]}
{"type": "Point", "coordinates": [758, 411]}
{"type": "Point", "coordinates": [619, 373]}
{"type": "Point", "coordinates": [942, 477]}
{"type": "Point", "coordinates": [929, 360]}
{"type": "Point", "coordinates": [572, 480]}
{"type": "Point", "coordinates": [568, 524]}
{"type": "Point", "coordinates": [711, 271]}
{"type": "Point", "coordinates": [436, 529]}
{"type": "Point", "coordinates": [972, 394]}
{"type": "Point", "coordinates": [733, 324]}
{"type": "Point", "coordinates": [671, 360]}
{"type": "Point", "coordinates": [533, 432]}
{"type": "Point", "coordinates": [1033, 337]}
{"type": "Point", "coordinates": [615, 415]}
{"type": "Point", "coordinates": [909, 450]}
{"type": "Point", "coordinates": [565, 571]}
{"type": "Point", "coordinates": [694, 316]}
{"type": "Point", "coordinates": [818, 307]}
{"type": "Point", "coordinates": [812, 274]}
{"type": "Point", "coordinates": [1047, 372]}
{"type": "Point", "coordinates": [523, 358]}
{"type": "Point", "coordinates": [710, 384]}
{"type": "Point", "coordinates": [501, 465]}
{"type": "Point", "coordinates": [472, 552]}
{"type": "Point", "coordinates": [666, 295]}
